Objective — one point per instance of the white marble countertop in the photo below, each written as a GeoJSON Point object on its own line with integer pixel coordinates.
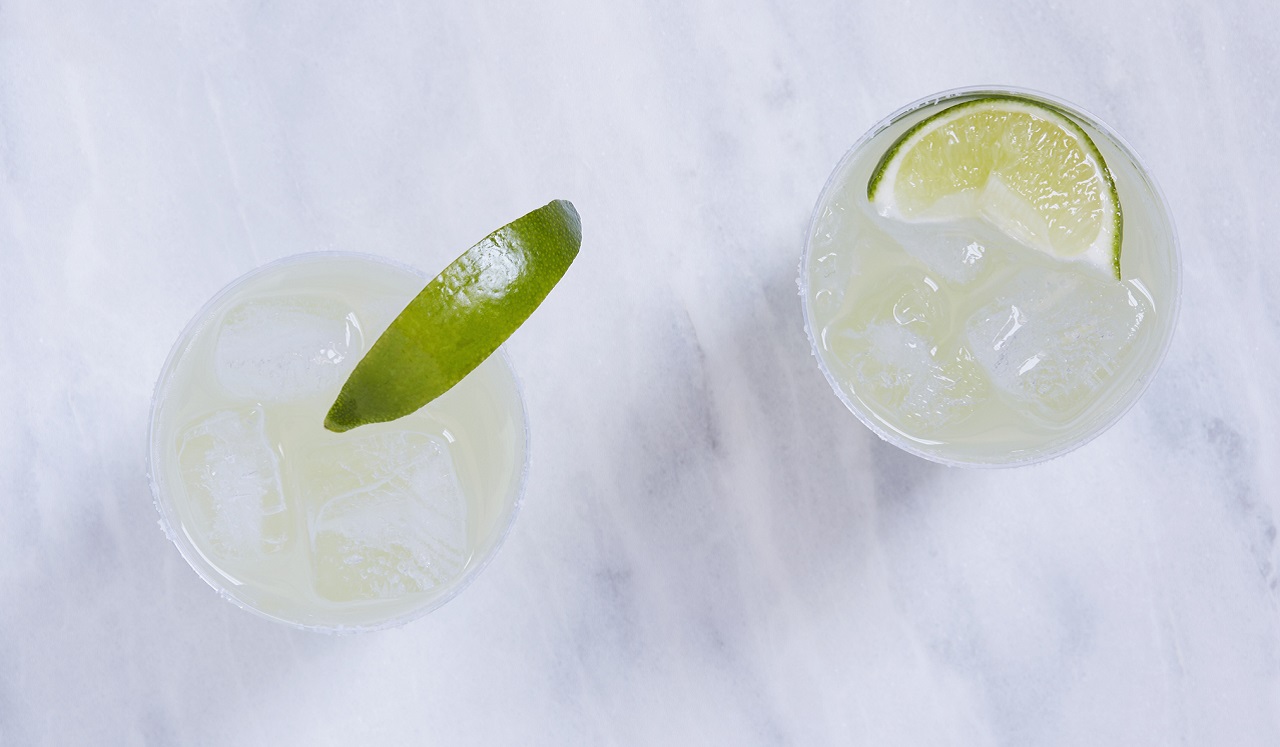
{"type": "Point", "coordinates": [712, 550]}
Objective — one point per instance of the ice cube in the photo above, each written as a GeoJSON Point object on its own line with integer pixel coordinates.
{"type": "Point", "coordinates": [958, 251]}
{"type": "Point", "coordinates": [282, 349]}
{"type": "Point", "coordinates": [393, 518]}
{"type": "Point", "coordinates": [902, 370]}
{"type": "Point", "coordinates": [1053, 338]}
{"type": "Point", "coordinates": [889, 345]}
{"type": "Point", "coordinates": [232, 479]}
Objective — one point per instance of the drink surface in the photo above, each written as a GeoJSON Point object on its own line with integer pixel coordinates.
{"type": "Point", "coordinates": [321, 529]}
{"type": "Point", "coordinates": [958, 342]}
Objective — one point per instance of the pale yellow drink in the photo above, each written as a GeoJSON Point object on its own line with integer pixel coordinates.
{"type": "Point", "coordinates": [957, 341]}
{"type": "Point", "coordinates": [348, 531]}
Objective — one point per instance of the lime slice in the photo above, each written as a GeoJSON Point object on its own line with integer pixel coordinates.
{"type": "Point", "coordinates": [460, 318]}
{"type": "Point", "coordinates": [1023, 166]}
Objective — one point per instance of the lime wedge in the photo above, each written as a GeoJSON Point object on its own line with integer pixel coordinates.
{"type": "Point", "coordinates": [1023, 166]}
{"type": "Point", "coordinates": [460, 318]}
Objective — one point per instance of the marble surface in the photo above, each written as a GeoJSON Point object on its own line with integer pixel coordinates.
{"type": "Point", "coordinates": [712, 550]}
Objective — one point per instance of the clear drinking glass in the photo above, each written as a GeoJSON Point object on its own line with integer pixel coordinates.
{"type": "Point", "coordinates": [937, 407]}
{"type": "Point", "coordinates": [335, 532]}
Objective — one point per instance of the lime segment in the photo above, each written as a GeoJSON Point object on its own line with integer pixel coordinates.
{"type": "Point", "coordinates": [460, 318]}
{"type": "Point", "coordinates": [1023, 166]}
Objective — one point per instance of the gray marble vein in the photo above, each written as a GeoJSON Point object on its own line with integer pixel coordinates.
{"type": "Point", "coordinates": [712, 550]}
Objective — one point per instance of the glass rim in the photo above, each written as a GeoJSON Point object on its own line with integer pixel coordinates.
{"type": "Point", "coordinates": [1133, 392]}
{"type": "Point", "coordinates": [206, 569]}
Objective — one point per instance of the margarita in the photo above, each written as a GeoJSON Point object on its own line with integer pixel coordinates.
{"type": "Point", "coordinates": [990, 278]}
{"type": "Point", "coordinates": [353, 530]}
